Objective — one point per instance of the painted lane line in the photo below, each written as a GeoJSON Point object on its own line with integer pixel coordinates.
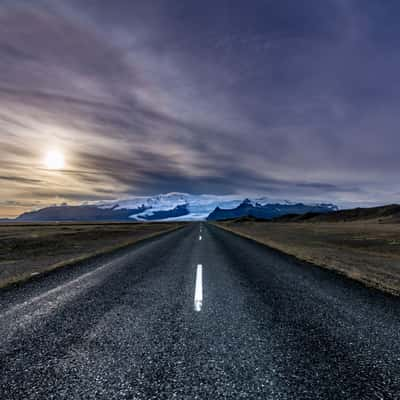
{"type": "Point", "coordinates": [198, 292]}
{"type": "Point", "coordinates": [66, 287]}
{"type": "Point", "coordinates": [69, 289]}
{"type": "Point", "coordinates": [200, 237]}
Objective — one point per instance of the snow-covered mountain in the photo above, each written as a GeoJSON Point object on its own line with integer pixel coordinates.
{"type": "Point", "coordinates": [249, 208]}
{"type": "Point", "coordinates": [198, 207]}
{"type": "Point", "coordinates": [170, 206]}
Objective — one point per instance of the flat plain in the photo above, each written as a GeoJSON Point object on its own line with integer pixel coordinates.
{"type": "Point", "coordinates": [29, 249]}
{"type": "Point", "coordinates": [367, 251]}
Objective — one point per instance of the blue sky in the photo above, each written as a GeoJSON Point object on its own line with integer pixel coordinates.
{"type": "Point", "coordinates": [293, 99]}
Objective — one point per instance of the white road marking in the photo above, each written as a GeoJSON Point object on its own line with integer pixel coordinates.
{"type": "Point", "coordinates": [64, 287]}
{"type": "Point", "coordinates": [198, 293]}
{"type": "Point", "coordinates": [200, 237]}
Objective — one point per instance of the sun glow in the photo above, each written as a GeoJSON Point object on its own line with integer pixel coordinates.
{"type": "Point", "coordinates": [54, 160]}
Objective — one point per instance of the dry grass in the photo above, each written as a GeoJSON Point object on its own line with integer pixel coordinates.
{"type": "Point", "coordinates": [368, 252]}
{"type": "Point", "coordinates": [29, 249]}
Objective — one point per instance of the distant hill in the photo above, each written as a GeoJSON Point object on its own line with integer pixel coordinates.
{"type": "Point", "coordinates": [267, 211]}
{"type": "Point", "coordinates": [183, 206]}
{"type": "Point", "coordinates": [170, 206]}
{"type": "Point", "coordinates": [96, 213]}
{"type": "Point", "coordinates": [389, 213]}
{"type": "Point", "coordinates": [79, 213]}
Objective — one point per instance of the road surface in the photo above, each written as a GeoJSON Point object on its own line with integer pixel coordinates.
{"type": "Point", "coordinates": [127, 326]}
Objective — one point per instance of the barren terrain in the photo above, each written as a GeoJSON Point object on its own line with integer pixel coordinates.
{"type": "Point", "coordinates": [29, 249]}
{"type": "Point", "coordinates": [367, 251]}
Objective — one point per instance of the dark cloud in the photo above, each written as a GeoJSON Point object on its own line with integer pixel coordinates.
{"type": "Point", "coordinates": [20, 179]}
{"type": "Point", "coordinates": [289, 98]}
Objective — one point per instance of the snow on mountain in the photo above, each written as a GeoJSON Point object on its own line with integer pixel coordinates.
{"type": "Point", "coordinates": [198, 207]}
{"type": "Point", "coordinates": [250, 208]}
{"type": "Point", "coordinates": [158, 202]}
{"type": "Point", "coordinates": [173, 206]}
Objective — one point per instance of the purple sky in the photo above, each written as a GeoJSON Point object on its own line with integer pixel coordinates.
{"type": "Point", "coordinates": [293, 99]}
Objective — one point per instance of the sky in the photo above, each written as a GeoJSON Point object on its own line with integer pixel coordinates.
{"type": "Point", "coordinates": [292, 99]}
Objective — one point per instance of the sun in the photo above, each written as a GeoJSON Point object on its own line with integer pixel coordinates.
{"type": "Point", "coordinates": [54, 160]}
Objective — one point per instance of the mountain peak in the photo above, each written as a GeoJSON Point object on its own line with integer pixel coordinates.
{"type": "Point", "coordinates": [268, 211]}
{"type": "Point", "coordinates": [247, 202]}
{"type": "Point", "coordinates": [173, 205]}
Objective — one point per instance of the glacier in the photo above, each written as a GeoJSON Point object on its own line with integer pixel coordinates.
{"type": "Point", "coordinates": [198, 207]}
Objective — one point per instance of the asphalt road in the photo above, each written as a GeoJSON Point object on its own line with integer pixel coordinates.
{"type": "Point", "coordinates": [124, 327]}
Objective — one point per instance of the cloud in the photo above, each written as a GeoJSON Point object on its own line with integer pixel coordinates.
{"type": "Point", "coordinates": [19, 179]}
{"type": "Point", "coordinates": [148, 97]}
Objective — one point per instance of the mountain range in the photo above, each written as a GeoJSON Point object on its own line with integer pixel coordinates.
{"type": "Point", "coordinates": [268, 211]}
{"type": "Point", "coordinates": [389, 214]}
{"type": "Point", "coordinates": [174, 206]}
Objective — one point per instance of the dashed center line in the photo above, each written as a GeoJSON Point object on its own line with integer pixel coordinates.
{"type": "Point", "coordinates": [198, 292]}
{"type": "Point", "coordinates": [200, 237]}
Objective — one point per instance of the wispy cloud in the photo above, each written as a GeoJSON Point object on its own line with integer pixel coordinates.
{"type": "Point", "coordinates": [145, 97]}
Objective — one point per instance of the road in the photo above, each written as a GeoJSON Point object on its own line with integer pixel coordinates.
{"type": "Point", "coordinates": [125, 326]}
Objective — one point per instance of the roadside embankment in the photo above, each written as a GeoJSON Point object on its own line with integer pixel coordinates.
{"type": "Point", "coordinates": [27, 250]}
{"type": "Point", "coordinates": [365, 251]}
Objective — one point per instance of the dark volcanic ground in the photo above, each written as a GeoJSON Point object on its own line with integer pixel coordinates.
{"type": "Point", "coordinates": [123, 327]}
